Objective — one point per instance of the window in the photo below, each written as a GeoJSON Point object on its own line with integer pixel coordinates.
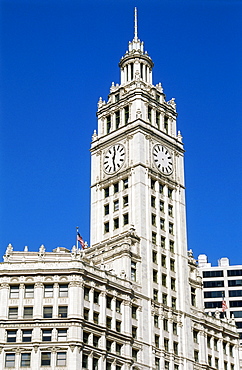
{"type": "Point", "coordinates": [170, 210]}
{"type": "Point", "coordinates": [166, 344]}
{"type": "Point", "coordinates": [106, 209]}
{"type": "Point", "coordinates": [174, 327]}
{"type": "Point", "coordinates": [213, 304]}
{"type": "Point", "coordinates": [235, 293]}
{"type": "Point", "coordinates": [109, 322]}
{"type": "Point", "coordinates": [173, 284]}
{"type": "Point", "coordinates": [161, 206]}
{"type": "Point", "coordinates": [118, 367]}
{"type": "Point", "coordinates": [163, 242]}
{"type": "Point", "coordinates": [25, 359]}
{"type": "Point", "coordinates": [118, 326]}
{"type": "Point", "coordinates": [46, 335]}
{"type": "Point", "coordinates": [196, 356]}
{"type": "Point", "coordinates": [149, 114]}
{"type": "Point", "coordinates": [133, 271]}
{"type": "Point", "coordinates": [116, 187]}
{"type": "Point", "coordinates": [153, 219]}
{"type": "Point", "coordinates": [13, 313]}
{"type": "Point", "coordinates": [163, 260]}
{"type": "Point", "coordinates": [116, 205]}
{"type": "Point", "coordinates": [108, 120]}
{"type": "Point", "coordinates": [173, 302]}
{"type": "Point", "coordinates": [161, 188]}
{"type": "Point", "coordinates": [134, 312]}
{"type": "Point", "coordinates": [62, 311]}
{"type": "Point", "coordinates": [47, 312]}
{"type": "Point", "coordinates": [116, 97]}
{"type": "Point", "coordinates": [95, 364]}
{"type": "Point", "coordinates": [171, 246]}
{"type": "Point", "coordinates": [106, 227]}
{"type": "Point", "coordinates": [10, 360]}
{"type": "Point", "coordinates": [61, 359]}
{"type": "Point", "coordinates": [157, 363]}
{"type": "Point", "coordinates": [61, 335]}
{"type": "Point", "coordinates": [155, 295]}
{"type": "Point", "coordinates": [164, 298]}
{"type": "Point", "coordinates": [14, 291]}
{"type": "Point", "coordinates": [165, 324]}
{"type": "Point", "coordinates": [215, 343]}
{"type": "Point", "coordinates": [117, 119]}
{"type": "Point", "coordinates": [126, 219]}
{"type": "Point", "coordinates": [125, 184]}
{"type": "Point", "coordinates": [175, 348]}
{"type": "Point", "coordinates": [176, 367]}
{"type": "Point", "coordinates": [125, 201]}
{"type": "Point", "coordinates": [95, 340]}
{"type": "Point", "coordinates": [208, 341]}
{"type": "Point", "coordinates": [118, 305]}
{"type": "Point", "coordinates": [171, 227]}
{"type": "Point", "coordinates": [116, 223]}
{"type": "Point", "coordinates": [45, 358]}
{"type": "Point", "coordinates": [152, 201]}
{"type": "Point", "coordinates": [96, 296]}
{"type": "Point", "coordinates": [235, 303]}
{"type": "Point", "coordinates": [48, 291]}
{"type": "Point", "coordinates": [108, 301]}
{"type": "Point", "coordinates": [224, 347]}
{"type": "Point", "coordinates": [118, 348]}
{"type": "Point", "coordinates": [212, 284]}
{"type": "Point", "coordinates": [85, 337]}
{"type": "Point", "coordinates": [172, 264]}
{"type": "Point", "coordinates": [29, 291]}
{"type": "Point", "coordinates": [195, 336]}
{"type": "Point", "coordinates": [231, 349]}
{"type": "Point", "coordinates": [152, 184]}
{"type": "Point", "coordinates": [162, 223]}
{"type": "Point", "coordinates": [108, 365]}
{"type": "Point", "coordinates": [63, 290]}
{"type": "Point", "coordinates": [157, 119]}
{"type": "Point", "coordinates": [154, 256]}
{"type": "Point", "coordinates": [193, 296]}
{"type": "Point", "coordinates": [209, 360]}
{"type": "Point", "coordinates": [106, 192]}
{"type": "Point", "coordinates": [86, 293]}
{"type": "Point", "coordinates": [163, 279]}
{"type": "Point", "coordinates": [167, 365]}
{"type": "Point", "coordinates": [126, 115]}
{"type": "Point", "coordinates": [207, 274]}
{"type": "Point", "coordinates": [214, 294]}
{"type": "Point", "coordinates": [11, 335]}
{"type": "Point", "coordinates": [157, 341]}
{"type": "Point", "coordinates": [166, 124]}
{"type": "Point", "coordinates": [156, 321]}
{"type": "Point", "coordinates": [155, 276]}
{"type": "Point", "coordinates": [28, 312]}
{"type": "Point", "coordinates": [108, 345]}
{"type": "Point", "coordinates": [234, 272]}
{"type": "Point", "coordinates": [216, 363]}
{"type": "Point", "coordinates": [26, 335]}
{"type": "Point", "coordinates": [86, 313]}
{"type": "Point", "coordinates": [170, 193]}
{"type": "Point", "coordinates": [134, 354]}
{"type": "Point", "coordinates": [225, 365]}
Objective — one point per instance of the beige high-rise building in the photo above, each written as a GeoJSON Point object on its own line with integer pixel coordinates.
{"type": "Point", "coordinates": [133, 299]}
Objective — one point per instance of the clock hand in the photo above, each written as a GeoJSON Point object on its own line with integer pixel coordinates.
{"type": "Point", "coordinates": [114, 155]}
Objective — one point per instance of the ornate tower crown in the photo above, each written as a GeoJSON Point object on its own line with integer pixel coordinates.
{"type": "Point", "coordinates": [136, 62]}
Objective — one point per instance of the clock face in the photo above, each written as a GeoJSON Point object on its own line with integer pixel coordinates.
{"type": "Point", "coordinates": [162, 159]}
{"type": "Point", "coordinates": [114, 158]}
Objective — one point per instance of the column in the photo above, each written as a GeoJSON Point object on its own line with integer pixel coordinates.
{"type": "Point", "coordinates": [38, 301]}
{"type": "Point", "coordinates": [55, 300]}
{"type": "Point", "coordinates": [4, 294]}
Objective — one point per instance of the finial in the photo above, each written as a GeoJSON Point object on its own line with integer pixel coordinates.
{"type": "Point", "coordinates": [135, 25]}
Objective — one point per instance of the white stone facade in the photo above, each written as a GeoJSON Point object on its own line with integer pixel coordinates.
{"type": "Point", "coordinates": [133, 299]}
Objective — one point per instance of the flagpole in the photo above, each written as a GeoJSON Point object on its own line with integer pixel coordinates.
{"type": "Point", "coordinates": [77, 228]}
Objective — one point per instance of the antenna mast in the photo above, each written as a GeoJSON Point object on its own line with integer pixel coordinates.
{"type": "Point", "coordinates": [135, 25]}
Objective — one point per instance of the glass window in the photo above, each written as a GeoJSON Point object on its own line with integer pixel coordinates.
{"type": "Point", "coordinates": [63, 290]}
{"type": "Point", "coordinates": [170, 210]}
{"type": "Point", "coordinates": [61, 359]}
{"type": "Point", "coordinates": [195, 336]}
{"type": "Point", "coordinates": [116, 205]}
{"type": "Point", "coordinates": [149, 113]}
{"type": "Point", "coordinates": [157, 119]}
{"type": "Point", "coordinates": [167, 365]}
{"type": "Point", "coordinates": [173, 302]}
{"type": "Point", "coordinates": [28, 312]}
{"type": "Point", "coordinates": [134, 332]}
{"type": "Point", "coordinates": [126, 114]}
{"type": "Point", "coordinates": [106, 209]}
{"type": "Point", "coordinates": [153, 219]}
{"type": "Point", "coordinates": [213, 304]}
{"type": "Point", "coordinates": [86, 293]}
{"type": "Point", "coordinates": [125, 201]}
{"type": "Point", "coordinates": [13, 313]}
{"type": "Point", "coordinates": [155, 276]}
{"type": "Point", "coordinates": [108, 301]}
{"type": "Point", "coordinates": [207, 274]}
{"type": "Point", "coordinates": [165, 324]}
{"type": "Point", "coordinates": [175, 347]}
{"type": "Point", "coordinates": [96, 297]}
{"type": "Point", "coordinates": [153, 238]}
{"type": "Point", "coordinates": [163, 260]}
{"type": "Point", "coordinates": [235, 282]}
{"type": "Point", "coordinates": [214, 294]}
{"type": "Point", "coordinates": [117, 119]}
{"type": "Point", "coordinates": [108, 120]}
{"type": "Point", "coordinates": [118, 326]}
{"type": "Point", "coordinates": [25, 359]}
{"type": "Point", "coordinates": [11, 335]}
{"type": "Point", "coordinates": [61, 335]}
{"type": "Point", "coordinates": [171, 228]}
{"type": "Point", "coordinates": [10, 360]}
{"type": "Point", "coordinates": [118, 348]}
{"type": "Point", "coordinates": [84, 361]}
{"type": "Point", "coordinates": [95, 317]}
{"type": "Point", "coordinates": [26, 335]}
{"type": "Point", "coordinates": [152, 201]}
{"type": "Point", "coordinates": [125, 183]}
{"type": "Point", "coordinates": [193, 296]}
{"type": "Point", "coordinates": [134, 354]}
{"type": "Point", "coordinates": [154, 256]}
{"type": "Point", "coordinates": [46, 335]}
{"type": "Point", "coordinates": [95, 340]}
{"type": "Point", "coordinates": [152, 184]}
{"type": "Point", "coordinates": [62, 311]}
{"type": "Point", "coordinates": [85, 337]}
{"type": "Point", "coordinates": [166, 344]}
{"type": "Point", "coordinates": [161, 206]}
{"type": "Point", "coordinates": [170, 193]}
{"type": "Point", "coordinates": [14, 291]}
{"type": "Point", "coordinates": [162, 223]}
{"type": "Point", "coordinates": [171, 246]}
{"type": "Point", "coordinates": [45, 358]}
{"type": "Point", "coordinates": [155, 295]}
{"type": "Point", "coordinates": [196, 358]}
{"type": "Point", "coordinates": [172, 264]}
{"type": "Point", "coordinates": [47, 312]}
{"type": "Point", "coordinates": [234, 272]}
{"type": "Point", "coordinates": [108, 345]}
{"type": "Point", "coordinates": [116, 187]}
{"type": "Point", "coordinates": [116, 223]}
{"type": "Point", "coordinates": [212, 284]}
{"type": "Point", "coordinates": [161, 188]}
{"type": "Point", "coordinates": [95, 364]}
{"type": "Point", "coordinates": [106, 227]}
{"type": "Point", "coordinates": [163, 279]}
{"type": "Point", "coordinates": [126, 218]}
{"type": "Point", "coordinates": [173, 284]}
{"type": "Point", "coordinates": [118, 305]}
{"type": "Point", "coordinates": [48, 291]}
{"type": "Point", "coordinates": [134, 312]}
{"type": "Point", "coordinates": [163, 241]}
{"type": "Point", "coordinates": [106, 192]}
{"type": "Point", "coordinates": [174, 325]}
{"type": "Point", "coordinates": [157, 341]}
{"type": "Point", "coordinates": [29, 291]}
{"type": "Point", "coordinates": [133, 271]}
{"type": "Point", "coordinates": [157, 363]}
{"type": "Point", "coordinates": [109, 322]}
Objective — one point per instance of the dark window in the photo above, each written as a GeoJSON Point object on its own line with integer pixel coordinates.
{"type": "Point", "coordinates": [13, 313]}
{"type": "Point", "coordinates": [116, 223]}
{"type": "Point", "coordinates": [28, 312]}
{"type": "Point", "coordinates": [134, 332]}
{"type": "Point", "coordinates": [108, 345]}
{"type": "Point", "coordinates": [95, 340]}
{"type": "Point", "coordinates": [235, 293]}
{"type": "Point", "coordinates": [172, 264]}
{"type": "Point", "coordinates": [45, 358]}
{"type": "Point", "coordinates": [96, 296]}
{"type": "Point", "coordinates": [116, 97]}
{"type": "Point", "coordinates": [166, 124]}
{"type": "Point", "coordinates": [116, 187]}
{"type": "Point", "coordinates": [235, 303]}
{"type": "Point", "coordinates": [163, 241]}
{"type": "Point", "coordinates": [14, 291]}
{"type": "Point", "coordinates": [106, 227]}
{"type": "Point", "coordinates": [157, 119]}
{"type": "Point", "coordinates": [171, 246]}
{"type": "Point", "coordinates": [10, 360]}
{"type": "Point", "coordinates": [161, 206]}
{"type": "Point", "coordinates": [126, 218]}
{"type": "Point", "coordinates": [85, 337]}
{"type": "Point", "coordinates": [106, 209]}
{"type": "Point", "coordinates": [170, 193]}
{"type": "Point", "coordinates": [25, 359]}
{"type": "Point", "coordinates": [134, 312]}
{"type": "Point", "coordinates": [117, 119]}
{"type": "Point", "coordinates": [47, 312]}
{"type": "Point", "coordinates": [118, 326]}
{"type": "Point", "coordinates": [125, 201]}
{"type": "Point", "coordinates": [61, 359]}
{"type": "Point", "coordinates": [48, 291]}
{"type": "Point", "coordinates": [156, 321]}
{"type": "Point", "coordinates": [106, 192]}
{"type": "Point", "coordinates": [174, 326]}
{"type": "Point", "coordinates": [149, 114]}
{"type": "Point", "coordinates": [207, 274]}
{"type": "Point", "coordinates": [152, 201]}
{"type": "Point", "coordinates": [157, 341]}
{"type": "Point", "coordinates": [62, 311]}
{"type": "Point", "coordinates": [152, 184]}
{"type": "Point", "coordinates": [26, 335]}
{"type": "Point", "coordinates": [86, 293]}
{"type": "Point", "coordinates": [234, 272]}
{"type": "Point", "coordinates": [108, 301]}
{"type": "Point", "coordinates": [236, 314]}
{"type": "Point", "coordinates": [193, 296]}
{"type": "Point", "coordinates": [125, 184]}
{"type": "Point", "coordinates": [214, 294]}
{"type": "Point", "coordinates": [86, 313]}
{"type": "Point", "coordinates": [46, 335]}
{"type": "Point", "coordinates": [108, 124]}
{"type": "Point", "coordinates": [63, 290]}
{"type": "Point", "coordinates": [95, 317]}
{"type": "Point", "coordinates": [173, 284]}
{"type": "Point", "coordinates": [126, 115]}
{"type": "Point", "coordinates": [118, 305]}
{"type": "Point", "coordinates": [155, 276]}
{"type": "Point", "coordinates": [154, 253]}
{"type": "Point", "coordinates": [234, 282]}
{"type": "Point", "coordinates": [29, 291]}
{"type": "Point", "coordinates": [11, 335]}
{"type": "Point", "coordinates": [213, 284]}
{"type": "Point", "coordinates": [155, 295]}
{"type": "Point", "coordinates": [213, 304]}
{"type": "Point", "coordinates": [133, 271]}
{"type": "Point", "coordinates": [165, 324]}
{"type": "Point", "coordinates": [164, 298]}
{"type": "Point", "coordinates": [166, 344]}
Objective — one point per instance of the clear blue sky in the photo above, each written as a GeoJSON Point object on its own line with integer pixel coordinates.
{"type": "Point", "coordinates": [59, 56]}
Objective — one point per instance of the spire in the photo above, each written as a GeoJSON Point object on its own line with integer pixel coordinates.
{"type": "Point", "coordinates": [135, 25]}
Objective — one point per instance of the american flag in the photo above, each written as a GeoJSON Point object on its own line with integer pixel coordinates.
{"type": "Point", "coordinates": [224, 306]}
{"type": "Point", "coordinates": [80, 240]}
